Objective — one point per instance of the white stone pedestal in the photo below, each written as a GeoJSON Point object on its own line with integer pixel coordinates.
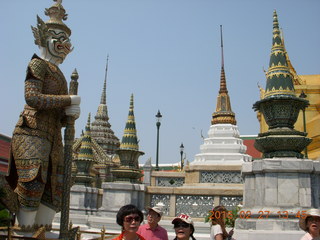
{"type": "Point", "coordinates": [83, 200]}
{"type": "Point", "coordinates": [117, 194]}
{"type": "Point", "coordinates": [275, 191]}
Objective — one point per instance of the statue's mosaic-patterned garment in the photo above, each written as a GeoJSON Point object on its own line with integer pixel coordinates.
{"type": "Point", "coordinates": [37, 150]}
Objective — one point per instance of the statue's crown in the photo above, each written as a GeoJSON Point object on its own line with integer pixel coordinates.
{"type": "Point", "coordinates": [56, 14]}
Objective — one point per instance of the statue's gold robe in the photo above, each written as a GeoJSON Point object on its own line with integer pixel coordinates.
{"type": "Point", "coordinates": [36, 149]}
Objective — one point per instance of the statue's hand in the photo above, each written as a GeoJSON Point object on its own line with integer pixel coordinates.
{"type": "Point", "coordinates": [73, 110]}
{"type": "Point", "coordinates": [75, 99]}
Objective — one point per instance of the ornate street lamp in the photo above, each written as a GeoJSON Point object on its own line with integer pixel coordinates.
{"type": "Point", "coordinates": [303, 95]}
{"type": "Point", "coordinates": [158, 116]}
{"type": "Point", "coordinates": [181, 154]}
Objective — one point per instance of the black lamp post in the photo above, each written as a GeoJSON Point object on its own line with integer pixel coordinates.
{"type": "Point", "coordinates": [158, 116]}
{"type": "Point", "coordinates": [181, 154]}
{"type": "Point", "coordinates": [303, 95]}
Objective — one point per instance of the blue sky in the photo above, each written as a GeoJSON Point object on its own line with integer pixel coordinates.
{"type": "Point", "coordinates": [167, 53]}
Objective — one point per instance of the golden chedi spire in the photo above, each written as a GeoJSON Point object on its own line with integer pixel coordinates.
{"type": "Point", "coordinates": [223, 113]}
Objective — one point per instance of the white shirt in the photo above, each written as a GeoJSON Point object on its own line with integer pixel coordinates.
{"type": "Point", "coordinates": [307, 236]}
{"type": "Point", "coordinates": [215, 230]}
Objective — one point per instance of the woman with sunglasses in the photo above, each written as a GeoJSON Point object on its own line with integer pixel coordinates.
{"type": "Point", "coordinates": [184, 228]}
{"type": "Point", "coordinates": [218, 228]}
{"type": "Point", "coordinates": [129, 218]}
{"type": "Point", "coordinates": [311, 224]}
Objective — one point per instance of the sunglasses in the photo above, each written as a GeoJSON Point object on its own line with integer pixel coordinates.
{"type": "Point", "coordinates": [313, 219]}
{"type": "Point", "coordinates": [130, 219]}
{"type": "Point", "coordinates": [181, 225]}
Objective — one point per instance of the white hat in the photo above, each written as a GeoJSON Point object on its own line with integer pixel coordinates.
{"type": "Point", "coordinates": [184, 218]}
{"type": "Point", "coordinates": [310, 212]}
{"type": "Point", "coordinates": [156, 209]}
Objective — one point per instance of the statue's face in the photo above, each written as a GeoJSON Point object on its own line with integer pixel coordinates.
{"type": "Point", "coordinates": [58, 44]}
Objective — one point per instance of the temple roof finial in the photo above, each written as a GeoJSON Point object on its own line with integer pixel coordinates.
{"type": "Point", "coordinates": [222, 59]}
{"type": "Point", "coordinates": [104, 91]}
{"type": "Point", "coordinates": [88, 122]}
{"type": "Point", "coordinates": [223, 83]}
{"type": "Point", "coordinates": [223, 113]}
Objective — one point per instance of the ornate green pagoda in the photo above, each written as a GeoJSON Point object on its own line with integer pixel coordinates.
{"type": "Point", "coordinates": [85, 160]}
{"type": "Point", "coordinates": [129, 152]}
{"type": "Point", "coordinates": [280, 107]}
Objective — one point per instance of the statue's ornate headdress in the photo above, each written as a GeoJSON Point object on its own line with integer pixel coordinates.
{"type": "Point", "coordinates": [56, 13]}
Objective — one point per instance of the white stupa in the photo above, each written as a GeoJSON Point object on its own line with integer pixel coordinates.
{"type": "Point", "coordinates": [224, 145]}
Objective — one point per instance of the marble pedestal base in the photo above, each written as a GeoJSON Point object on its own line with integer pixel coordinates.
{"type": "Point", "coordinates": [118, 194]}
{"type": "Point", "coordinates": [84, 200]}
{"type": "Point", "coordinates": [276, 192]}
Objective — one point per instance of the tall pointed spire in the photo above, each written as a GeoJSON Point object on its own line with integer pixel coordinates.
{"type": "Point", "coordinates": [223, 113]}
{"type": "Point", "coordinates": [104, 91]}
{"type": "Point", "coordinates": [279, 77]}
{"type": "Point", "coordinates": [223, 83]}
{"type": "Point", "coordinates": [129, 139]}
{"type": "Point", "coordinates": [101, 128]}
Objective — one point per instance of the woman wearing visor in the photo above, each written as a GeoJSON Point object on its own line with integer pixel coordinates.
{"type": "Point", "coordinates": [184, 228]}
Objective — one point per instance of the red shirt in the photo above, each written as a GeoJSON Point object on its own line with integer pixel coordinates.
{"type": "Point", "coordinates": [159, 233]}
{"type": "Point", "coordinates": [121, 236]}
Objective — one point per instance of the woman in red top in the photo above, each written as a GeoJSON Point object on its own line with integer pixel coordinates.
{"type": "Point", "coordinates": [129, 218]}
